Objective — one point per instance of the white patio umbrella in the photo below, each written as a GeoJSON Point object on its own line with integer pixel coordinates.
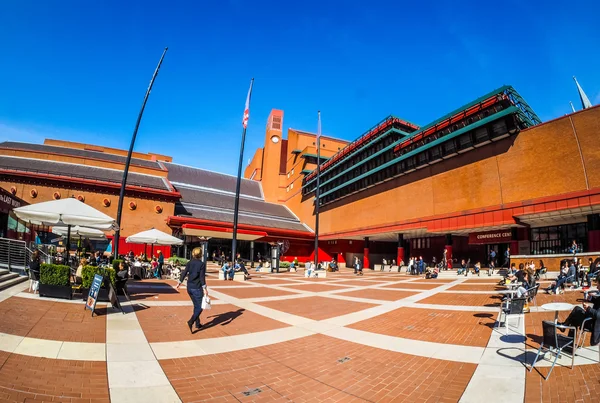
{"type": "Point", "coordinates": [69, 212]}
{"type": "Point", "coordinates": [154, 237]}
{"type": "Point", "coordinates": [83, 232]}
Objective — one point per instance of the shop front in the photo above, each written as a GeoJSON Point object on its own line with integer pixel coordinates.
{"type": "Point", "coordinates": [10, 226]}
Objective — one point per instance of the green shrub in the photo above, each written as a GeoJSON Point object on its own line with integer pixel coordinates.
{"type": "Point", "coordinates": [55, 274]}
{"type": "Point", "coordinates": [284, 265]}
{"type": "Point", "coordinates": [88, 273]}
{"type": "Point", "coordinates": [178, 261]}
{"type": "Point", "coordinates": [115, 264]}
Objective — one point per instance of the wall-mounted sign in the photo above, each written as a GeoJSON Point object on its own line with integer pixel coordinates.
{"type": "Point", "coordinates": [498, 236]}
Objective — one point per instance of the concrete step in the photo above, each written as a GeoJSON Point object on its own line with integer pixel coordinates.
{"type": "Point", "coordinates": [14, 280]}
{"type": "Point", "coordinates": [7, 276]}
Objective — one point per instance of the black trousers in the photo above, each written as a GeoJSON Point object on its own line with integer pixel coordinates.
{"type": "Point", "coordinates": [576, 318]}
{"type": "Point", "coordinates": [196, 297]}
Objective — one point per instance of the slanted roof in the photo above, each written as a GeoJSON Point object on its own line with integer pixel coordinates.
{"type": "Point", "coordinates": [77, 153]}
{"type": "Point", "coordinates": [80, 171]}
{"type": "Point", "coordinates": [181, 174]}
{"type": "Point", "coordinates": [211, 205]}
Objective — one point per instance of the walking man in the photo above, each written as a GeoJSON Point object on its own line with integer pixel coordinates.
{"type": "Point", "coordinates": [195, 271]}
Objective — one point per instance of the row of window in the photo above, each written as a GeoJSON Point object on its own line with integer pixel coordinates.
{"type": "Point", "coordinates": [479, 136]}
{"type": "Point", "coordinates": [464, 142]}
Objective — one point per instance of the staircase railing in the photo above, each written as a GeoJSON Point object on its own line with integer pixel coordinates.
{"type": "Point", "coordinates": [14, 254]}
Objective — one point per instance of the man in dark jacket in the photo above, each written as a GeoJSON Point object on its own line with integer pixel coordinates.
{"type": "Point", "coordinates": [195, 271]}
{"type": "Point", "coordinates": [587, 310]}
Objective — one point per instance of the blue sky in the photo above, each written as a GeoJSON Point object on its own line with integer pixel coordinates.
{"type": "Point", "coordinates": [78, 70]}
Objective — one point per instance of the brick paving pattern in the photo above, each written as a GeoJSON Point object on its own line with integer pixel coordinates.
{"type": "Point", "coordinates": [491, 301]}
{"type": "Point", "coordinates": [52, 320]}
{"type": "Point", "coordinates": [448, 327]}
{"type": "Point", "coordinates": [317, 308]}
{"type": "Point", "coordinates": [379, 294]}
{"type": "Point", "coordinates": [164, 323]}
{"type": "Point", "coordinates": [32, 379]}
{"type": "Point", "coordinates": [580, 384]}
{"type": "Point", "coordinates": [308, 369]}
{"type": "Point", "coordinates": [253, 292]}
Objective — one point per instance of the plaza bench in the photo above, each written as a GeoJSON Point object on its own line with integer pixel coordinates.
{"type": "Point", "coordinates": [394, 269]}
{"type": "Point", "coordinates": [320, 273]}
{"type": "Point", "coordinates": [238, 276]}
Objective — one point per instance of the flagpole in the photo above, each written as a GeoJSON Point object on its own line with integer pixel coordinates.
{"type": "Point", "coordinates": [239, 175]}
{"type": "Point", "coordinates": [128, 161]}
{"type": "Point", "coordinates": [317, 201]}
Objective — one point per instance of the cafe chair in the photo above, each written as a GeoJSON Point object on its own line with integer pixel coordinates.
{"type": "Point", "coordinates": [581, 338]}
{"type": "Point", "coordinates": [532, 294]}
{"type": "Point", "coordinates": [552, 340]}
{"type": "Point", "coordinates": [513, 307]}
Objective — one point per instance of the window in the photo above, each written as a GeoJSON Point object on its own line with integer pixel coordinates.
{"type": "Point", "coordinates": [292, 186]}
{"type": "Point", "coordinates": [558, 239]}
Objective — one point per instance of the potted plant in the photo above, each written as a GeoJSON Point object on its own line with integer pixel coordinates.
{"type": "Point", "coordinates": [54, 281]}
{"type": "Point", "coordinates": [87, 277]}
{"type": "Point", "coordinates": [177, 261]}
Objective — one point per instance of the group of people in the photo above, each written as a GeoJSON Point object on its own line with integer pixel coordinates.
{"type": "Point", "coordinates": [229, 269]}
{"type": "Point", "coordinates": [140, 264]}
{"type": "Point", "coordinates": [572, 271]}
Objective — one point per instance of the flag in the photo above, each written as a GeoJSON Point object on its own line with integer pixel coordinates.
{"type": "Point", "coordinates": [247, 108]}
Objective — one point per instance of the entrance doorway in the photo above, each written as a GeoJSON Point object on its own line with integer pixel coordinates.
{"type": "Point", "coordinates": [500, 260]}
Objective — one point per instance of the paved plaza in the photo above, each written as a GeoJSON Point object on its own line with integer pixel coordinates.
{"type": "Point", "coordinates": [382, 337]}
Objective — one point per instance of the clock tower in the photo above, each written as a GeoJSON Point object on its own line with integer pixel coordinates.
{"type": "Point", "coordinates": [272, 155]}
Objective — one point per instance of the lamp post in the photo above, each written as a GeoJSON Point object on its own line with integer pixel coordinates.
{"type": "Point", "coordinates": [128, 161]}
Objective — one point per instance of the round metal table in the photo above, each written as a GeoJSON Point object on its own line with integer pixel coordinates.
{"type": "Point", "coordinates": [557, 307]}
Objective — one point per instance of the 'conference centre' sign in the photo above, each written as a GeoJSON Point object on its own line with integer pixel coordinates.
{"type": "Point", "coordinates": [499, 236]}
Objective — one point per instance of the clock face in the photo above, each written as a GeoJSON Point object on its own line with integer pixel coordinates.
{"type": "Point", "coordinates": [275, 139]}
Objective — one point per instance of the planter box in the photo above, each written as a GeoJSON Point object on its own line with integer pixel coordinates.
{"type": "Point", "coordinates": [102, 294]}
{"type": "Point", "coordinates": [55, 291]}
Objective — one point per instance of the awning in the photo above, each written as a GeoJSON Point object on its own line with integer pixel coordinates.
{"type": "Point", "coordinates": [210, 231]}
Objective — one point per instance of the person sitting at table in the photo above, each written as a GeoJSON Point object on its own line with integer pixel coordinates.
{"type": "Point", "coordinates": [541, 269]}
{"type": "Point", "coordinates": [567, 273]}
{"type": "Point", "coordinates": [589, 309]}
{"type": "Point", "coordinates": [228, 271]}
{"type": "Point", "coordinates": [122, 276]}
{"type": "Point", "coordinates": [518, 276]}
{"type": "Point", "coordinates": [593, 272]}
{"type": "Point", "coordinates": [82, 263]}
{"type": "Point", "coordinates": [153, 266]}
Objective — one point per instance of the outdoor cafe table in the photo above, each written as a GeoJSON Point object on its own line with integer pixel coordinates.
{"type": "Point", "coordinates": [557, 307]}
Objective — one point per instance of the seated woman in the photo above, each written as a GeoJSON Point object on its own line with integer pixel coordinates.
{"type": "Point", "coordinates": [477, 268]}
{"type": "Point", "coordinates": [589, 309]}
{"type": "Point", "coordinates": [82, 263]}
{"type": "Point", "coordinates": [540, 270]}
{"type": "Point", "coordinates": [567, 273]}
{"type": "Point", "coordinates": [593, 272]}
{"type": "Point", "coordinates": [122, 277]}
{"type": "Point", "coordinates": [228, 271]}
{"type": "Point", "coordinates": [463, 268]}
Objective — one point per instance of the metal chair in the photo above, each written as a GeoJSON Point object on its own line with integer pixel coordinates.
{"type": "Point", "coordinates": [582, 332]}
{"type": "Point", "coordinates": [532, 294]}
{"type": "Point", "coordinates": [553, 340]}
{"type": "Point", "coordinates": [514, 307]}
